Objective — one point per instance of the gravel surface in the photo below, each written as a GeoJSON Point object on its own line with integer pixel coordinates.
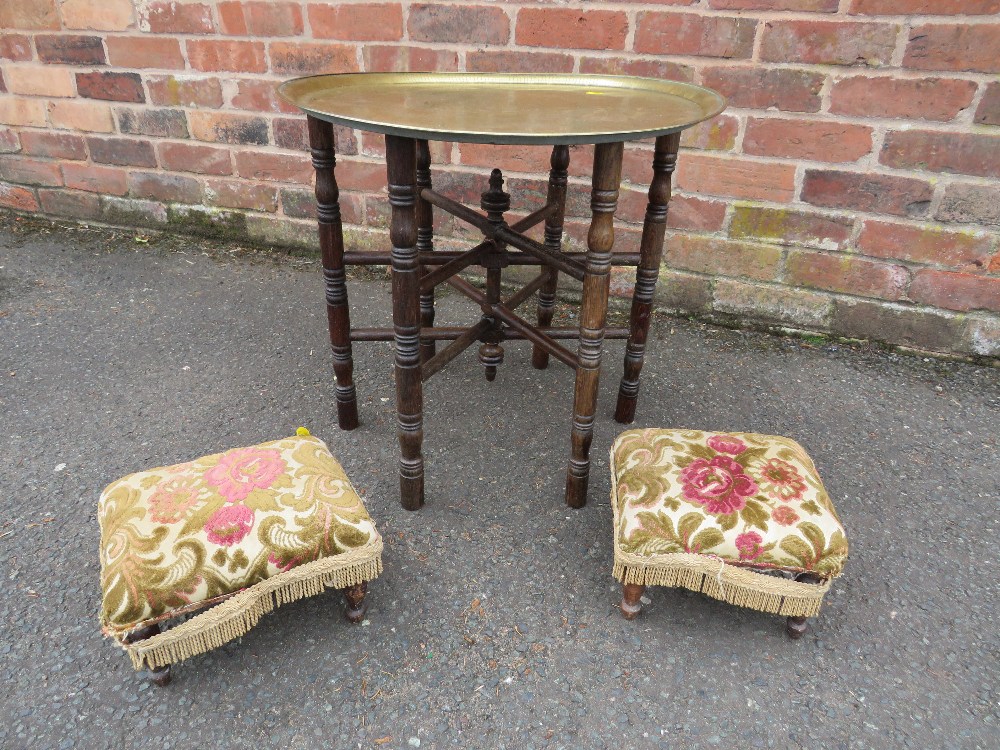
{"type": "Point", "coordinates": [495, 623]}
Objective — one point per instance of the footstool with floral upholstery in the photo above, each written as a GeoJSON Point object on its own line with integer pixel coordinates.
{"type": "Point", "coordinates": [740, 517]}
{"type": "Point", "coordinates": [239, 533]}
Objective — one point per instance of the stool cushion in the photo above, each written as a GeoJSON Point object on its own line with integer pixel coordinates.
{"type": "Point", "coordinates": [275, 521]}
{"type": "Point", "coordinates": [687, 500]}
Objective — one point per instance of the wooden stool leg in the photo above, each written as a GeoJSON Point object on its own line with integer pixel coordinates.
{"type": "Point", "coordinates": [650, 253]}
{"type": "Point", "coordinates": [356, 606]}
{"type": "Point", "coordinates": [631, 604]}
{"type": "Point", "coordinates": [593, 315]}
{"type": "Point", "coordinates": [425, 243]}
{"type": "Point", "coordinates": [796, 627]}
{"type": "Point", "coordinates": [401, 168]}
{"type": "Point", "coordinates": [331, 243]}
{"type": "Point", "coordinates": [553, 241]}
{"type": "Point", "coordinates": [159, 676]}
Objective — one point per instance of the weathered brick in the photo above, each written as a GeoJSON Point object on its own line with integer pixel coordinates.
{"type": "Point", "coordinates": [9, 142]}
{"type": "Point", "coordinates": [813, 6]}
{"type": "Point", "coordinates": [848, 274]}
{"type": "Point", "coordinates": [126, 152]}
{"type": "Point", "coordinates": [895, 324]}
{"type": "Point", "coordinates": [859, 191]}
{"type": "Point", "coordinates": [29, 14]}
{"type": "Point", "coordinates": [188, 157]}
{"type": "Point", "coordinates": [241, 194]}
{"type": "Point", "coordinates": [39, 80]}
{"type": "Point", "coordinates": [511, 61]}
{"type": "Point", "coordinates": [788, 226]}
{"type": "Point", "coordinates": [54, 145]}
{"type": "Point", "coordinates": [956, 291]}
{"type": "Point", "coordinates": [771, 304]}
{"type": "Point", "coordinates": [988, 112]}
{"type": "Point", "coordinates": [982, 336]}
{"type": "Point", "coordinates": [3, 84]}
{"type": "Point", "coordinates": [160, 186]}
{"type": "Point", "coordinates": [16, 47]}
{"type": "Point", "coordinates": [681, 292]}
{"type": "Point", "coordinates": [116, 87]}
{"type": "Point", "coordinates": [763, 88]}
{"type": "Point", "coordinates": [966, 250]}
{"type": "Point", "coordinates": [70, 49]}
{"type": "Point", "coordinates": [18, 198]}
{"type": "Point", "coordinates": [275, 167]}
{"type": "Point", "coordinates": [970, 204]}
{"type": "Point", "coordinates": [507, 158]}
{"type": "Point", "coordinates": [954, 47]}
{"type": "Point", "coordinates": [158, 123]}
{"type": "Point", "coordinates": [97, 15]}
{"type": "Point", "coordinates": [925, 7]}
{"type": "Point", "coordinates": [369, 177]}
{"type": "Point", "coordinates": [689, 34]}
{"type": "Point", "coordinates": [717, 134]}
{"type": "Point", "coordinates": [625, 66]}
{"type": "Point", "coordinates": [298, 203]}
{"type": "Point", "coordinates": [260, 96]}
{"type": "Point", "coordinates": [388, 59]}
{"type": "Point", "coordinates": [17, 111]}
{"type": "Point", "coordinates": [904, 98]}
{"type": "Point", "coordinates": [228, 128]}
{"type": "Point", "coordinates": [962, 153]}
{"type": "Point", "coordinates": [75, 204]}
{"type": "Point", "coordinates": [379, 22]}
{"type": "Point", "coordinates": [185, 91]}
{"type": "Point", "coordinates": [94, 178]}
{"type": "Point", "coordinates": [463, 24]}
{"type": "Point", "coordinates": [307, 58]}
{"type": "Point", "coordinates": [293, 134]}
{"type": "Point", "coordinates": [571, 28]}
{"type": "Point", "coordinates": [172, 17]}
{"type": "Point", "coordinates": [286, 232]}
{"type": "Point", "coordinates": [807, 139]}
{"type": "Point", "coordinates": [723, 257]}
{"type": "Point", "coordinates": [145, 52]}
{"type": "Point", "coordinates": [26, 171]}
{"type": "Point", "coordinates": [703, 174]}
{"type": "Point", "coordinates": [828, 42]}
{"type": "Point", "coordinates": [131, 212]}
{"type": "Point", "coordinates": [226, 55]}
{"type": "Point", "coordinates": [695, 214]}
{"type": "Point", "coordinates": [79, 114]}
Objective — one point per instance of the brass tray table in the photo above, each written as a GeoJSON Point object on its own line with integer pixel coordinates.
{"type": "Point", "coordinates": [411, 109]}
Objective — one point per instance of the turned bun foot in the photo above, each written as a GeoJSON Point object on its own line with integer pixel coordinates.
{"type": "Point", "coordinates": [631, 604]}
{"type": "Point", "coordinates": [356, 604]}
{"type": "Point", "coordinates": [796, 627]}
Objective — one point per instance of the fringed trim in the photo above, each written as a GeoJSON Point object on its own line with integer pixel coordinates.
{"type": "Point", "coordinates": [239, 613]}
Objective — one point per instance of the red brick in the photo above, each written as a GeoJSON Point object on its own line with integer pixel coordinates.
{"type": "Point", "coordinates": [81, 114]}
{"type": "Point", "coordinates": [145, 52]}
{"type": "Point", "coordinates": [812, 6]}
{"type": "Point", "coordinates": [40, 80]}
{"type": "Point", "coordinates": [970, 204]}
{"type": "Point", "coordinates": [988, 112]}
{"type": "Point", "coordinates": [695, 214]}
{"type": "Point", "coordinates": [117, 87]}
{"type": "Point", "coordinates": [711, 175]}
{"type": "Point", "coordinates": [9, 142]}
{"type": "Point", "coordinates": [70, 49]}
{"type": "Point", "coordinates": [126, 152]}
{"type": "Point", "coordinates": [904, 98]}
{"type": "Point", "coordinates": [884, 239]}
{"type": "Point", "coordinates": [462, 24]}
{"type": "Point", "coordinates": [624, 66]}
{"type": "Point", "coordinates": [507, 158]}
{"type": "Point", "coordinates": [956, 291]}
{"type": "Point", "coordinates": [925, 7]}
{"type": "Point", "coordinates": [159, 123]}
{"type": "Point", "coordinates": [95, 179]}
{"type": "Point", "coordinates": [29, 14]}
{"type": "Point", "coordinates": [187, 157]}
{"type": "Point", "coordinates": [807, 139]}
{"type": "Point", "coordinates": [97, 15]}
{"type": "Point", "coordinates": [847, 274]}
{"type": "Point", "coordinates": [18, 198]}
{"type": "Point", "coordinates": [689, 34]}
{"type": "Point", "coordinates": [222, 127]}
{"type": "Point", "coordinates": [54, 145]}
{"type": "Point", "coordinates": [275, 167]}
{"type": "Point", "coordinates": [3, 85]}
{"type": "Point", "coordinates": [571, 28]}
{"type": "Point", "coordinates": [954, 47]}
{"type": "Point", "coordinates": [259, 19]}
{"type": "Point", "coordinates": [228, 55]}
{"type": "Point", "coordinates": [292, 134]}
{"type": "Point", "coordinates": [310, 58]}
{"type": "Point", "coordinates": [72, 203]}
{"type": "Point", "coordinates": [717, 134]}
{"type": "Point", "coordinates": [160, 186]}
{"type": "Point", "coordinates": [18, 111]}
{"type": "Point", "coordinates": [172, 17]}
{"type": "Point", "coordinates": [369, 177]}
{"type": "Point", "coordinates": [764, 88]}
{"type": "Point", "coordinates": [260, 96]}
{"type": "Point", "coordinates": [379, 22]}
{"type": "Point", "coordinates": [884, 194]}
{"type": "Point", "coordinates": [787, 226]}
{"type": "Point", "coordinates": [962, 153]}
{"type": "Point", "coordinates": [723, 257]}
{"type": "Point", "coordinates": [16, 47]}
{"type": "Point", "coordinates": [26, 171]}
{"type": "Point", "coordinates": [511, 61]}
{"type": "Point", "coordinates": [241, 194]}
{"type": "Point", "coordinates": [828, 42]}
{"type": "Point", "coordinates": [387, 59]}
{"type": "Point", "coordinates": [185, 92]}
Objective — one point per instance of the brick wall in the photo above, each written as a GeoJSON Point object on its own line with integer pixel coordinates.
{"type": "Point", "coordinates": [850, 188]}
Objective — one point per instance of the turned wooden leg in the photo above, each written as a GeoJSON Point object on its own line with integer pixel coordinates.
{"type": "Point", "coordinates": [159, 676]}
{"type": "Point", "coordinates": [495, 202]}
{"type": "Point", "coordinates": [631, 605]}
{"type": "Point", "coordinates": [593, 315]}
{"type": "Point", "coordinates": [401, 167]}
{"type": "Point", "coordinates": [796, 627]}
{"type": "Point", "coordinates": [553, 240]}
{"type": "Point", "coordinates": [650, 253]}
{"type": "Point", "coordinates": [425, 243]}
{"type": "Point", "coordinates": [331, 243]}
{"type": "Point", "coordinates": [356, 605]}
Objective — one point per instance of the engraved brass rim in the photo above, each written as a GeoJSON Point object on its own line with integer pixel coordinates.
{"type": "Point", "coordinates": [505, 108]}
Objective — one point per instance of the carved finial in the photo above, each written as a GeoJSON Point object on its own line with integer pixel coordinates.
{"type": "Point", "coordinates": [496, 180]}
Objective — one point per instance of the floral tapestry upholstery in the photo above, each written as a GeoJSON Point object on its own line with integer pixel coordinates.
{"type": "Point", "coordinates": [687, 500]}
{"type": "Point", "coordinates": [182, 537]}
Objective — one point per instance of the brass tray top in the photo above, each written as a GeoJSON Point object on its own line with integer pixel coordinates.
{"type": "Point", "coordinates": [499, 108]}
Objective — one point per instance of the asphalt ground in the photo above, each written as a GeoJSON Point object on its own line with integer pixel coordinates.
{"type": "Point", "coordinates": [495, 623]}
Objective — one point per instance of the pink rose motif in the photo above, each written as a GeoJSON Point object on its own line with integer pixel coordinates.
{"type": "Point", "coordinates": [749, 545]}
{"type": "Point", "coordinates": [244, 470]}
{"type": "Point", "coordinates": [784, 515]}
{"type": "Point", "coordinates": [726, 444]}
{"type": "Point", "coordinates": [720, 485]}
{"type": "Point", "coordinates": [780, 480]}
{"type": "Point", "coordinates": [229, 524]}
{"type": "Point", "coordinates": [173, 498]}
